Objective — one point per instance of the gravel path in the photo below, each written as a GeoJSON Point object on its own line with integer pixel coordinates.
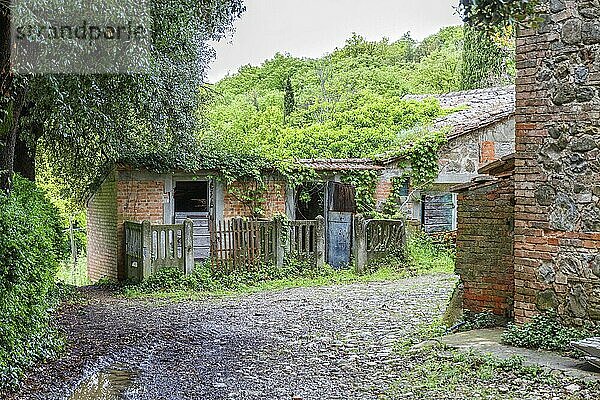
{"type": "Point", "coordinates": [312, 343]}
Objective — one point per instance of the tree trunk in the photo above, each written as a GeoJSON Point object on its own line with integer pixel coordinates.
{"type": "Point", "coordinates": [7, 160]}
{"type": "Point", "coordinates": [24, 163]}
{"type": "Point", "coordinates": [7, 131]}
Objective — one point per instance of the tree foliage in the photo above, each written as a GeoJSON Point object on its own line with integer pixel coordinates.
{"type": "Point", "coordinates": [83, 122]}
{"type": "Point", "coordinates": [494, 15]}
{"type": "Point", "coordinates": [488, 60]}
{"type": "Point", "coordinates": [30, 244]}
{"type": "Point", "coordinates": [346, 104]}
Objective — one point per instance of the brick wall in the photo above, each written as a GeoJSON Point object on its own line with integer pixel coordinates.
{"type": "Point", "coordinates": [484, 258]}
{"type": "Point", "coordinates": [102, 231]}
{"type": "Point", "coordinates": [137, 199]}
{"type": "Point", "coordinates": [274, 199]}
{"type": "Point", "coordinates": [488, 152]}
{"type": "Point", "coordinates": [383, 190]}
{"type": "Point", "coordinates": [557, 173]}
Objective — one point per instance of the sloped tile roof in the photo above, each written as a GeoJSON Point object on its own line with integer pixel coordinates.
{"type": "Point", "coordinates": [483, 107]}
{"type": "Point", "coordinates": [339, 164]}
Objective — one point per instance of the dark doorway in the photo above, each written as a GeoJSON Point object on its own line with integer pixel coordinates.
{"type": "Point", "coordinates": [310, 201]}
{"type": "Point", "coordinates": [192, 201]}
{"type": "Point", "coordinates": [191, 196]}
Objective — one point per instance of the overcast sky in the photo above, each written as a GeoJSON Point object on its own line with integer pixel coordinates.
{"type": "Point", "coordinates": [311, 28]}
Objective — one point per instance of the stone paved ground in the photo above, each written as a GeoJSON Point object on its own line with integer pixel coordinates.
{"type": "Point", "coordinates": [315, 343]}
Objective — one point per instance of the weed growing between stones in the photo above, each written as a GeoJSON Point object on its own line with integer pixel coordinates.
{"type": "Point", "coordinates": [546, 331]}
{"type": "Point", "coordinates": [435, 373]}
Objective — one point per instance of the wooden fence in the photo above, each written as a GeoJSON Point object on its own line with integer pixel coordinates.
{"type": "Point", "coordinates": [241, 244]}
{"type": "Point", "coordinates": [150, 247]}
{"type": "Point", "coordinates": [377, 238]}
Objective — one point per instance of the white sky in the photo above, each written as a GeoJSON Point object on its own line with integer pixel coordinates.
{"type": "Point", "coordinates": [311, 28]}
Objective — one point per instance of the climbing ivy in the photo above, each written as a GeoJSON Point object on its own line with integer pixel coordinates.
{"type": "Point", "coordinates": [364, 183]}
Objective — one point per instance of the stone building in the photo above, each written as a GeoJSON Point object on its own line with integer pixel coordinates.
{"type": "Point", "coordinates": [481, 129]}
{"type": "Point", "coordinates": [557, 167]}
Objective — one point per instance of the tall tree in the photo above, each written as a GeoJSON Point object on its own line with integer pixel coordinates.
{"type": "Point", "coordinates": [80, 123]}
{"type": "Point", "coordinates": [288, 99]}
{"type": "Point", "coordinates": [485, 61]}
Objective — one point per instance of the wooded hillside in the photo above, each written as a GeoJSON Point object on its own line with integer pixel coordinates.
{"type": "Point", "coordinates": [345, 104]}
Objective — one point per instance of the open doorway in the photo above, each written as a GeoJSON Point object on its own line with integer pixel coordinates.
{"type": "Point", "coordinates": [192, 201]}
{"type": "Point", "coordinates": [310, 201]}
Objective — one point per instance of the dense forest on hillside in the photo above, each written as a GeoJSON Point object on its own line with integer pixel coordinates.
{"type": "Point", "coordinates": [345, 104]}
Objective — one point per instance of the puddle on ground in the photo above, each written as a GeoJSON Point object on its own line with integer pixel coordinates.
{"type": "Point", "coordinates": [109, 383]}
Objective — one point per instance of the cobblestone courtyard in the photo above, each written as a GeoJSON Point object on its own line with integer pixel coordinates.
{"type": "Point", "coordinates": [316, 343]}
{"type": "Point", "coordinates": [305, 343]}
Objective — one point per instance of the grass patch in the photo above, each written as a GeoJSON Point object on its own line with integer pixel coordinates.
{"type": "Point", "coordinates": [424, 256]}
{"type": "Point", "coordinates": [439, 374]}
{"type": "Point", "coordinates": [74, 274]}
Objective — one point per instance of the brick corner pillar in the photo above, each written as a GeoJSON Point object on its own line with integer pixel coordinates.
{"type": "Point", "coordinates": [557, 166]}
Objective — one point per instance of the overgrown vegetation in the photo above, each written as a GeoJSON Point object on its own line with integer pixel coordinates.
{"type": "Point", "coordinates": [482, 320]}
{"type": "Point", "coordinates": [440, 375]}
{"type": "Point", "coordinates": [422, 257]}
{"type": "Point", "coordinates": [30, 245]}
{"type": "Point", "coordinates": [546, 331]}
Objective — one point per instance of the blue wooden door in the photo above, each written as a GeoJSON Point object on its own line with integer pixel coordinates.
{"type": "Point", "coordinates": [339, 238]}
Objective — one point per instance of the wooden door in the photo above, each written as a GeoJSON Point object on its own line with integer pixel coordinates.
{"type": "Point", "coordinates": [438, 212]}
{"type": "Point", "coordinates": [341, 206]}
{"type": "Point", "coordinates": [192, 201]}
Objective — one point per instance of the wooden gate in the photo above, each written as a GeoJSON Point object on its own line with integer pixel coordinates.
{"type": "Point", "coordinates": [150, 247]}
{"type": "Point", "coordinates": [377, 238]}
{"type": "Point", "coordinates": [238, 244]}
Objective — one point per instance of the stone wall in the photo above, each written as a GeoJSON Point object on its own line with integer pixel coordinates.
{"type": "Point", "coordinates": [102, 231]}
{"type": "Point", "coordinates": [463, 155]}
{"type": "Point", "coordinates": [557, 173]}
{"type": "Point", "coordinates": [484, 247]}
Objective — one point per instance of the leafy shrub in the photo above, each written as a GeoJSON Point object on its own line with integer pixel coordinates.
{"type": "Point", "coordinates": [30, 239]}
{"type": "Point", "coordinates": [544, 331]}
{"type": "Point", "coordinates": [483, 320]}
{"type": "Point", "coordinates": [424, 255]}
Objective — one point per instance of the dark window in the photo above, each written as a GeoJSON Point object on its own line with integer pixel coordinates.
{"type": "Point", "coordinates": [191, 196]}
{"type": "Point", "coordinates": [309, 201]}
{"type": "Point", "coordinates": [401, 186]}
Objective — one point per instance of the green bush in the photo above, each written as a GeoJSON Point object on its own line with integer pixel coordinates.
{"type": "Point", "coordinates": [30, 239]}
{"type": "Point", "coordinates": [204, 279]}
{"type": "Point", "coordinates": [424, 255]}
{"type": "Point", "coordinates": [545, 331]}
